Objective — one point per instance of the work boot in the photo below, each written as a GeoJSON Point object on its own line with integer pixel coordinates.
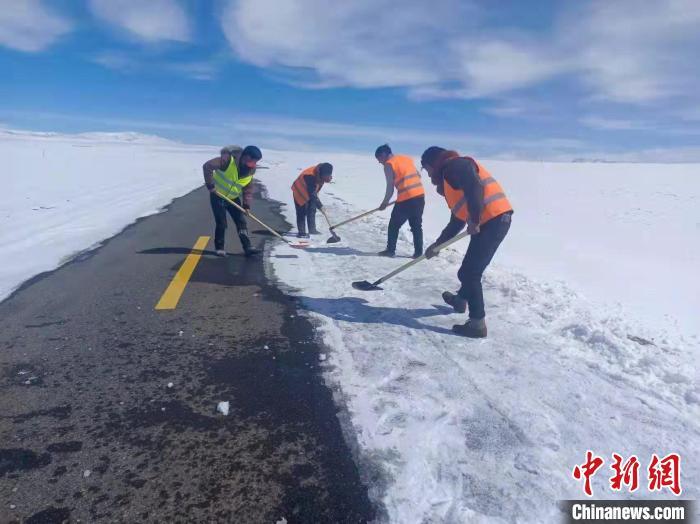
{"type": "Point", "coordinates": [220, 253]}
{"type": "Point", "coordinates": [457, 302]}
{"type": "Point", "coordinates": [472, 328]}
{"type": "Point", "coordinates": [301, 234]}
{"type": "Point", "coordinates": [386, 253]}
{"type": "Point", "coordinates": [417, 244]}
{"type": "Point", "coordinates": [314, 232]}
{"type": "Point", "coordinates": [251, 251]}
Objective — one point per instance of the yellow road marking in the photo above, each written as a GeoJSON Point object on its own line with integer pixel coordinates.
{"type": "Point", "coordinates": [172, 295]}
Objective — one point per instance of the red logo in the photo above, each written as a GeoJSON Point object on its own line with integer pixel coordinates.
{"type": "Point", "coordinates": [627, 474]}
{"type": "Point", "coordinates": [663, 473]}
{"type": "Point", "coordinates": [587, 470]}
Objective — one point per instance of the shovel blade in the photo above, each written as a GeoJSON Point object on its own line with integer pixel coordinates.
{"type": "Point", "coordinates": [365, 286]}
{"type": "Point", "coordinates": [299, 245]}
{"type": "Point", "coordinates": [334, 239]}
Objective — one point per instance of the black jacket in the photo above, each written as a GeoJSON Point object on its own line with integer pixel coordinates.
{"type": "Point", "coordinates": [463, 173]}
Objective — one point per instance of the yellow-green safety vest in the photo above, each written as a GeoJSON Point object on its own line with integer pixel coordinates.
{"type": "Point", "coordinates": [227, 182]}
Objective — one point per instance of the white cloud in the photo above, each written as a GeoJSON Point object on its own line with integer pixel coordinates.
{"type": "Point", "coordinates": [628, 51]}
{"type": "Point", "coordinates": [116, 60]}
{"type": "Point", "coordinates": [133, 63]}
{"type": "Point", "coordinates": [658, 155]}
{"type": "Point", "coordinates": [613, 124]}
{"type": "Point", "coordinates": [28, 25]}
{"type": "Point", "coordinates": [308, 128]}
{"type": "Point", "coordinates": [364, 43]}
{"type": "Point", "coordinates": [270, 128]}
{"type": "Point", "coordinates": [497, 66]}
{"type": "Point", "coordinates": [150, 21]}
{"type": "Point", "coordinates": [204, 70]}
{"type": "Point", "coordinates": [439, 49]}
{"type": "Point", "coordinates": [663, 127]}
{"type": "Point", "coordinates": [636, 51]}
{"type": "Point", "coordinates": [690, 114]}
{"type": "Point", "coordinates": [514, 107]}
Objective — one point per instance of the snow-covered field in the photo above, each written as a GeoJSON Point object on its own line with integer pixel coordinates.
{"type": "Point", "coordinates": [486, 431]}
{"type": "Point", "coordinates": [62, 194]}
{"type": "Point", "coordinates": [448, 429]}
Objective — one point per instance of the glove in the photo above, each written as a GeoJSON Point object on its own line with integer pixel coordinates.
{"type": "Point", "coordinates": [383, 206]}
{"type": "Point", "coordinates": [432, 251]}
{"type": "Point", "coordinates": [473, 228]}
{"type": "Point", "coordinates": [319, 205]}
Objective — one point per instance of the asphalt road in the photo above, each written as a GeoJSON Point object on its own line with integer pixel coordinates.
{"type": "Point", "coordinates": [90, 430]}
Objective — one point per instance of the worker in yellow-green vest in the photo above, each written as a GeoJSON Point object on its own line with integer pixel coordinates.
{"type": "Point", "coordinates": [230, 176]}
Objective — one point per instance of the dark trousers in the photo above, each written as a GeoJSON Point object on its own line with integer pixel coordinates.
{"type": "Point", "coordinates": [410, 210]}
{"type": "Point", "coordinates": [306, 214]}
{"type": "Point", "coordinates": [220, 207]}
{"type": "Point", "coordinates": [482, 248]}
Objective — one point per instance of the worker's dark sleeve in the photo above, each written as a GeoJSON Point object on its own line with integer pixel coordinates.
{"type": "Point", "coordinates": [390, 176]}
{"type": "Point", "coordinates": [247, 196]}
{"type": "Point", "coordinates": [208, 168]}
{"type": "Point", "coordinates": [462, 173]}
{"type": "Point", "coordinates": [454, 226]}
{"type": "Point", "coordinates": [311, 188]}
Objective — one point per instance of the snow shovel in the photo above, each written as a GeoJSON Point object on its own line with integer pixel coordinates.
{"type": "Point", "coordinates": [298, 245]}
{"type": "Point", "coordinates": [363, 285]}
{"type": "Point", "coordinates": [359, 216]}
{"type": "Point", "coordinates": [334, 238]}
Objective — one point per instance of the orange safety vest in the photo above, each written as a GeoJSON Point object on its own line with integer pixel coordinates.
{"type": "Point", "coordinates": [406, 178]}
{"type": "Point", "coordinates": [301, 194]}
{"type": "Point", "coordinates": [495, 201]}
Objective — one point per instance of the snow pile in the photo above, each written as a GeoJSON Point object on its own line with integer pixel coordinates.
{"type": "Point", "coordinates": [62, 194]}
{"type": "Point", "coordinates": [489, 431]}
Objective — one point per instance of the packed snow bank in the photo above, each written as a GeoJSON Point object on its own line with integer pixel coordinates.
{"type": "Point", "coordinates": [62, 194]}
{"type": "Point", "coordinates": [600, 260]}
{"type": "Point", "coordinates": [625, 235]}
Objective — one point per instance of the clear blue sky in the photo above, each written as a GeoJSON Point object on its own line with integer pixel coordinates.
{"type": "Point", "coordinates": [608, 79]}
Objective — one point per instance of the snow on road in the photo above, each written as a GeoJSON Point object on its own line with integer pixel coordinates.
{"type": "Point", "coordinates": [601, 260]}
{"type": "Point", "coordinates": [456, 430]}
{"type": "Point", "coordinates": [62, 194]}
